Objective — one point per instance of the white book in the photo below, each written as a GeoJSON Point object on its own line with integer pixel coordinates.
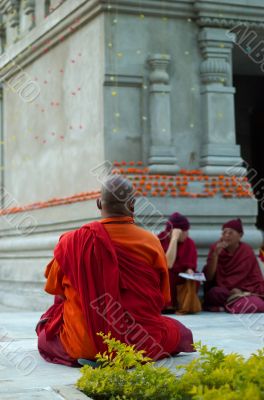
{"type": "Point", "coordinates": [196, 276]}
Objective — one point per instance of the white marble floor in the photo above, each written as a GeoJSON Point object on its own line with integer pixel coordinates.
{"type": "Point", "coordinates": [24, 375]}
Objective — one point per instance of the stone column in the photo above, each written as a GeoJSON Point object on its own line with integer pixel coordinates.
{"type": "Point", "coordinates": [28, 16]}
{"type": "Point", "coordinates": [162, 157]}
{"type": "Point", "coordinates": [219, 153]}
{"type": "Point", "coordinates": [2, 36]}
{"type": "Point", "coordinates": [12, 23]}
{"type": "Point", "coordinates": [40, 11]}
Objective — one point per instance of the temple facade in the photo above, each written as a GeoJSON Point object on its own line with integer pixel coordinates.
{"type": "Point", "coordinates": [166, 93]}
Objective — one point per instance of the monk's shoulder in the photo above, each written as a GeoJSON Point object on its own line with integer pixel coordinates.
{"type": "Point", "coordinates": [190, 242]}
{"type": "Point", "coordinates": [247, 249]}
{"type": "Point", "coordinates": [148, 235]}
{"type": "Point", "coordinates": [67, 236]}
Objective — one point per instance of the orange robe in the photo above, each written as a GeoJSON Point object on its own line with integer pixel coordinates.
{"type": "Point", "coordinates": [145, 246]}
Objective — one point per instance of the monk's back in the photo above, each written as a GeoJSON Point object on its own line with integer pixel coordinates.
{"type": "Point", "coordinates": [144, 244]}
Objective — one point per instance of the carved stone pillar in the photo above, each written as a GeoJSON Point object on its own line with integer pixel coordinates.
{"type": "Point", "coordinates": [13, 20]}
{"type": "Point", "coordinates": [2, 37]}
{"type": "Point", "coordinates": [29, 15]}
{"type": "Point", "coordinates": [162, 157]}
{"type": "Point", "coordinates": [219, 153]}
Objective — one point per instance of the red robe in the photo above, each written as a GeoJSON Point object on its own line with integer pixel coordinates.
{"type": "Point", "coordinates": [238, 270]}
{"type": "Point", "coordinates": [186, 259]}
{"type": "Point", "coordinates": [113, 299]}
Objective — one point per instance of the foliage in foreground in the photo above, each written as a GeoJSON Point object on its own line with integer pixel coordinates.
{"type": "Point", "coordinates": [211, 376]}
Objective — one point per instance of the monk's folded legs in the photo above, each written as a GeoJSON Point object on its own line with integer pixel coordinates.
{"type": "Point", "coordinates": [216, 297]}
{"type": "Point", "coordinates": [216, 300]}
{"type": "Point", "coordinates": [52, 350]}
{"type": "Point", "coordinates": [186, 339]}
{"type": "Point", "coordinates": [246, 305]}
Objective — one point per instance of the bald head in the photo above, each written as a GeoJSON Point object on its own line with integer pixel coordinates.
{"type": "Point", "coordinates": [117, 197]}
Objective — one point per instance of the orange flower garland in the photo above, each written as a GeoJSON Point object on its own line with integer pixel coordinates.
{"type": "Point", "coordinates": [147, 184]}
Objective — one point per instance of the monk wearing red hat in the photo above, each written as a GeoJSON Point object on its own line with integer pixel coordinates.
{"type": "Point", "coordinates": [181, 256]}
{"type": "Point", "coordinates": [109, 276]}
{"type": "Point", "coordinates": [235, 282]}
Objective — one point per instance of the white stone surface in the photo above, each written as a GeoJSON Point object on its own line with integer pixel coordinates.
{"type": "Point", "coordinates": [243, 334]}
{"type": "Point", "coordinates": [54, 141]}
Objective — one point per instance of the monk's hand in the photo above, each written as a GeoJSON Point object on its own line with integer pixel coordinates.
{"type": "Point", "coordinates": [219, 247]}
{"type": "Point", "coordinates": [189, 271]}
{"type": "Point", "coordinates": [176, 233]}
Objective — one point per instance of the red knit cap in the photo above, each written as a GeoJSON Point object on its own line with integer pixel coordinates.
{"type": "Point", "coordinates": [235, 224]}
{"type": "Point", "coordinates": [179, 221]}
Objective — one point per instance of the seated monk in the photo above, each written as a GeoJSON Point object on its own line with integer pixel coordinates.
{"type": "Point", "coordinates": [235, 282]}
{"type": "Point", "coordinates": [109, 276]}
{"type": "Point", "coordinates": [181, 256]}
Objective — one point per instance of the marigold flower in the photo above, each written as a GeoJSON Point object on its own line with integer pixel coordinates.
{"type": "Point", "coordinates": [182, 188]}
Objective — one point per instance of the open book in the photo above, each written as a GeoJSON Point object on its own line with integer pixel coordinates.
{"type": "Point", "coordinates": [196, 276]}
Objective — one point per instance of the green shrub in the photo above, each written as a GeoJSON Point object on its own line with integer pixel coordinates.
{"type": "Point", "coordinates": [125, 374]}
{"type": "Point", "coordinates": [113, 380]}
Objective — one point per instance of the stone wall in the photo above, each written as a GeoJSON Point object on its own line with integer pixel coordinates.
{"type": "Point", "coordinates": [52, 142]}
{"type": "Point", "coordinates": [130, 40]}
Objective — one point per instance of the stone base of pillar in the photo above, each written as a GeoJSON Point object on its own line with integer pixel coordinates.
{"type": "Point", "coordinates": [222, 159]}
{"type": "Point", "coordinates": [162, 160]}
{"type": "Point", "coordinates": [223, 170]}
{"type": "Point", "coordinates": [164, 169]}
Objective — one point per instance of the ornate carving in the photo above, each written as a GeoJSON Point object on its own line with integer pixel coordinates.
{"type": "Point", "coordinates": [2, 29]}
{"type": "Point", "coordinates": [14, 19]}
{"type": "Point", "coordinates": [29, 9]}
{"type": "Point", "coordinates": [214, 70]}
{"type": "Point", "coordinates": [228, 23]}
{"type": "Point", "coordinates": [2, 37]}
{"type": "Point", "coordinates": [29, 6]}
{"type": "Point", "coordinates": [11, 9]}
{"type": "Point", "coordinates": [216, 48]}
{"type": "Point", "coordinates": [161, 152]}
{"type": "Point", "coordinates": [6, 6]}
{"type": "Point", "coordinates": [158, 65]}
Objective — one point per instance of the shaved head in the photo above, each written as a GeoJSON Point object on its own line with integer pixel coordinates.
{"type": "Point", "coordinates": [117, 197]}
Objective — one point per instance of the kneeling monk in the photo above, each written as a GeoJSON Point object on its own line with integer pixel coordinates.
{"type": "Point", "coordinates": [109, 276]}
{"type": "Point", "coordinates": [181, 256]}
{"type": "Point", "coordinates": [235, 282]}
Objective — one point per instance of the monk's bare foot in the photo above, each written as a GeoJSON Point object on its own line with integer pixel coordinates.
{"type": "Point", "coordinates": [235, 291]}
